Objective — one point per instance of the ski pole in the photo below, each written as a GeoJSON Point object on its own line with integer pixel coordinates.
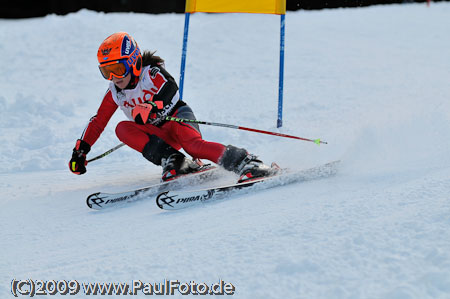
{"type": "Point", "coordinates": [183, 120]}
{"type": "Point", "coordinates": [106, 153]}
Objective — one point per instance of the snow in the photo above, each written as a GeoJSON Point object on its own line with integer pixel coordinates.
{"type": "Point", "coordinates": [373, 82]}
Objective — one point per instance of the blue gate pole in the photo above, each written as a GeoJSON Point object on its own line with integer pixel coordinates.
{"type": "Point", "coordinates": [280, 86]}
{"type": "Point", "coordinates": [183, 54]}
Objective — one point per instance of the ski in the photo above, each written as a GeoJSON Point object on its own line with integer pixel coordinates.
{"type": "Point", "coordinates": [102, 200]}
{"type": "Point", "coordinates": [175, 200]}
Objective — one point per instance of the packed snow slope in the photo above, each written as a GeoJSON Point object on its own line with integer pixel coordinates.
{"type": "Point", "coordinates": [373, 82]}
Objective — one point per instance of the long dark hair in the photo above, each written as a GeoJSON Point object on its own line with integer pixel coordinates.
{"type": "Point", "coordinates": [149, 58]}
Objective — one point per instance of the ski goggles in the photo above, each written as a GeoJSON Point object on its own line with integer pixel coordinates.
{"type": "Point", "coordinates": [116, 68]}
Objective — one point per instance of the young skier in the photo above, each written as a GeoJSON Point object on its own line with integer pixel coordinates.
{"type": "Point", "coordinates": [147, 93]}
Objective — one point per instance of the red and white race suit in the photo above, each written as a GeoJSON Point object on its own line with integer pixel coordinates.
{"type": "Point", "coordinates": [155, 84]}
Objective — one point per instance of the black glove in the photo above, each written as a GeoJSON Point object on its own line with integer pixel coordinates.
{"type": "Point", "coordinates": [78, 162]}
{"type": "Point", "coordinates": [146, 111]}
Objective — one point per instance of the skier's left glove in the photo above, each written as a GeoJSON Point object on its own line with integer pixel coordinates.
{"type": "Point", "coordinates": [146, 111]}
{"type": "Point", "coordinates": [78, 162]}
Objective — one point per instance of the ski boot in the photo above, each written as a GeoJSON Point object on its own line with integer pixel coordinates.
{"type": "Point", "coordinates": [246, 165]}
{"type": "Point", "coordinates": [173, 162]}
{"type": "Point", "coordinates": [177, 164]}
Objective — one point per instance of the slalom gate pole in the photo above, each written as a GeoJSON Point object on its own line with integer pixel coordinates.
{"type": "Point", "coordinates": [106, 153]}
{"type": "Point", "coordinates": [183, 120]}
{"type": "Point", "coordinates": [183, 52]}
{"type": "Point", "coordinates": [281, 74]}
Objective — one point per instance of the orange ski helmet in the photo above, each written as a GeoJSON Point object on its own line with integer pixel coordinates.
{"type": "Point", "coordinates": [118, 55]}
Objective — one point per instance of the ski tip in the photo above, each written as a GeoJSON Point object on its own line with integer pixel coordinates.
{"type": "Point", "coordinates": [99, 201]}
{"type": "Point", "coordinates": [90, 200]}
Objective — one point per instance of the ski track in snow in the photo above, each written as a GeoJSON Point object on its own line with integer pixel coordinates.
{"type": "Point", "coordinates": [372, 82]}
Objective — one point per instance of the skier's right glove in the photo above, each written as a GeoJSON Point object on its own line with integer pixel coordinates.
{"type": "Point", "coordinates": [78, 162]}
